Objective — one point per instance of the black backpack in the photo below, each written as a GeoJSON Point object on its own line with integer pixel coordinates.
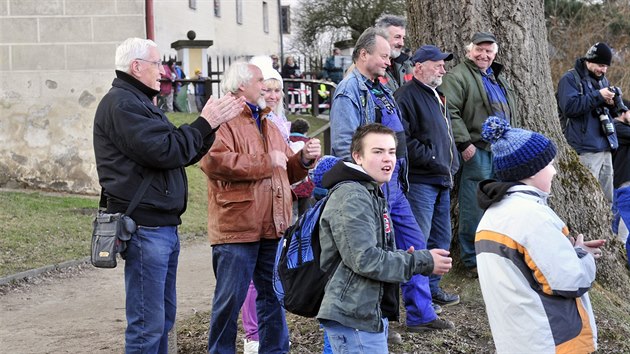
{"type": "Point", "coordinates": [298, 280]}
{"type": "Point", "coordinates": [564, 120]}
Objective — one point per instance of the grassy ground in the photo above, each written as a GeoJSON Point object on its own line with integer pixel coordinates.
{"type": "Point", "coordinates": [38, 229]}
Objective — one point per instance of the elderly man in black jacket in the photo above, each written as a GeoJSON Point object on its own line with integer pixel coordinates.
{"type": "Point", "coordinates": [133, 141]}
{"type": "Point", "coordinates": [433, 159]}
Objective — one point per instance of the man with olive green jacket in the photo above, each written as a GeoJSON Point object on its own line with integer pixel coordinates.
{"type": "Point", "coordinates": [476, 89]}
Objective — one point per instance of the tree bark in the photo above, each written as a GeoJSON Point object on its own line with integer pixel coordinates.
{"type": "Point", "coordinates": [519, 26]}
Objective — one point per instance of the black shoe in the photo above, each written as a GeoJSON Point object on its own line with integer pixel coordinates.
{"type": "Point", "coordinates": [436, 324]}
{"type": "Point", "coordinates": [443, 298]}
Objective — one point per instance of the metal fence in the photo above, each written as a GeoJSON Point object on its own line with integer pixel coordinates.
{"type": "Point", "coordinates": [301, 96]}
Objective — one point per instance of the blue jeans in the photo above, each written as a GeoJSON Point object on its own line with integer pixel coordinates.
{"type": "Point", "coordinates": [327, 349]}
{"type": "Point", "coordinates": [415, 293]}
{"type": "Point", "coordinates": [431, 206]}
{"type": "Point", "coordinates": [151, 302]}
{"type": "Point", "coordinates": [235, 265]}
{"type": "Point", "coordinates": [475, 170]}
{"type": "Point", "coordinates": [346, 340]}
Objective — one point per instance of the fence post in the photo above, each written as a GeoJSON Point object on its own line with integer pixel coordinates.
{"type": "Point", "coordinates": [314, 99]}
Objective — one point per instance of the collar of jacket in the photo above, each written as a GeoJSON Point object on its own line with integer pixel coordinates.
{"type": "Point", "coordinates": [365, 83]}
{"type": "Point", "coordinates": [497, 68]}
{"type": "Point", "coordinates": [262, 112]}
{"type": "Point", "coordinates": [426, 87]}
{"type": "Point", "coordinates": [151, 93]}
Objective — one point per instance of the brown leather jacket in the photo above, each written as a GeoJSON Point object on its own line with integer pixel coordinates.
{"type": "Point", "coordinates": [248, 200]}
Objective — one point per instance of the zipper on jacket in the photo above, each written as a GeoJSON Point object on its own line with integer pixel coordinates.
{"type": "Point", "coordinates": [450, 144]}
{"type": "Point", "coordinates": [347, 285]}
{"type": "Point", "coordinates": [166, 191]}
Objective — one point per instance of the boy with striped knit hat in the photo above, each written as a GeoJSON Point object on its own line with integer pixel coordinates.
{"type": "Point", "coordinates": [534, 278]}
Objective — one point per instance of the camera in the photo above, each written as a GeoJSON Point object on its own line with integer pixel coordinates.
{"type": "Point", "coordinates": [618, 101]}
{"type": "Point", "coordinates": [604, 120]}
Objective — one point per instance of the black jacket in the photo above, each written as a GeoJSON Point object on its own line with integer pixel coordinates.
{"type": "Point", "coordinates": [132, 139]}
{"type": "Point", "coordinates": [431, 149]}
{"type": "Point", "coordinates": [621, 156]}
{"type": "Point", "coordinates": [584, 132]}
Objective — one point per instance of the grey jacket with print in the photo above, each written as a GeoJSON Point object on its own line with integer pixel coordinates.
{"type": "Point", "coordinates": [355, 226]}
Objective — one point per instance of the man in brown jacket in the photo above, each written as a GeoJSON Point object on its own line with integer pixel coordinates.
{"type": "Point", "coordinates": [250, 170]}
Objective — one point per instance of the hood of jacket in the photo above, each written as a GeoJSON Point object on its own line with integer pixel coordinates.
{"type": "Point", "coordinates": [345, 171]}
{"type": "Point", "coordinates": [491, 191]}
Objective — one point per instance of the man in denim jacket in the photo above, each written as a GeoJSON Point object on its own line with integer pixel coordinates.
{"type": "Point", "coordinates": [361, 99]}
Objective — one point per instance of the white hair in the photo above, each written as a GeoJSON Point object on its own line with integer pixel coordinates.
{"type": "Point", "coordinates": [130, 50]}
{"type": "Point", "coordinates": [471, 45]}
{"type": "Point", "coordinates": [238, 74]}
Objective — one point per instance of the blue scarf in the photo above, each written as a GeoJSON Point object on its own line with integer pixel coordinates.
{"type": "Point", "coordinates": [255, 114]}
{"type": "Point", "coordinates": [496, 95]}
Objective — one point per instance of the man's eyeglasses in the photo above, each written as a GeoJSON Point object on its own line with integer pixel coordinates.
{"type": "Point", "coordinates": [157, 62]}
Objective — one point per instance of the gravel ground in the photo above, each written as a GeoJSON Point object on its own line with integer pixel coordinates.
{"type": "Point", "coordinates": [471, 334]}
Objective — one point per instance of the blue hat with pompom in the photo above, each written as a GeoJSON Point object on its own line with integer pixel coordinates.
{"type": "Point", "coordinates": [516, 153]}
{"type": "Point", "coordinates": [324, 164]}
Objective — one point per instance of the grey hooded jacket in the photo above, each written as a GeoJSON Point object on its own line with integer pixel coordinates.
{"type": "Point", "coordinates": [355, 226]}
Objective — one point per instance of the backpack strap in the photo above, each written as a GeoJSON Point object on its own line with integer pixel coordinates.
{"type": "Point", "coordinates": [578, 80]}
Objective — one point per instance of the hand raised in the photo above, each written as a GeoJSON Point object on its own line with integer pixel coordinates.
{"type": "Point", "coordinates": [224, 109]}
{"type": "Point", "coordinates": [312, 150]}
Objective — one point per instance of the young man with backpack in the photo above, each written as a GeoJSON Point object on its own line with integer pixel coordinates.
{"type": "Point", "coordinates": [356, 228]}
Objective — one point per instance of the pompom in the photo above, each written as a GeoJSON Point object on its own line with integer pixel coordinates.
{"type": "Point", "coordinates": [324, 164]}
{"type": "Point", "coordinates": [493, 129]}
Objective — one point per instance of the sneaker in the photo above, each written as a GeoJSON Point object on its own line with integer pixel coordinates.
{"type": "Point", "coordinates": [443, 298]}
{"type": "Point", "coordinates": [437, 308]}
{"type": "Point", "coordinates": [250, 346]}
{"type": "Point", "coordinates": [436, 324]}
{"type": "Point", "coordinates": [393, 337]}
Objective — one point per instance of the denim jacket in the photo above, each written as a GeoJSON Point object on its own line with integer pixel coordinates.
{"type": "Point", "coordinates": [352, 107]}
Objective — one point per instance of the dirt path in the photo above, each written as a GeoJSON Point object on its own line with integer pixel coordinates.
{"type": "Point", "coordinates": [84, 312]}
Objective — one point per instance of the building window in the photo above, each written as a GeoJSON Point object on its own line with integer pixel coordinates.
{"type": "Point", "coordinates": [217, 8]}
{"type": "Point", "coordinates": [192, 4]}
{"type": "Point", "coordinates": [286, 19]}
{"type": "Point", "coordinates": [265, 17]}
{"type": "Point", "coordinates": [239, 12]}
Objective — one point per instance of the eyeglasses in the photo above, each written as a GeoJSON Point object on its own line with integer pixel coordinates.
{"type": "Point", "coordinates": [157, 62]}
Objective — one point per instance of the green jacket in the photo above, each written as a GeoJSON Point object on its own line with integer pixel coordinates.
{"type": "Point", "coordinates": [468, 102]}
{"type": "Point", "coordinates": [355, 226]}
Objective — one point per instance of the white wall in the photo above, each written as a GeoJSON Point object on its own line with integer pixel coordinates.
{"type": "Point", "coordinates": [173, 19]}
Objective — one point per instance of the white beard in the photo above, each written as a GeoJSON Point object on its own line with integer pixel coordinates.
{"type": "Point", "coordinates": [395, 53]}
{"type": "Point", "coordinates": [261, 103]}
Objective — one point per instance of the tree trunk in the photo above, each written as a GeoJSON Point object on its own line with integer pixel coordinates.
{"type": "Point", "coordinates": [519, 26]}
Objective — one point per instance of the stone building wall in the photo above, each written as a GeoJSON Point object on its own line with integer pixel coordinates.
{"type": "Point", "coordinates": [56, 63]}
